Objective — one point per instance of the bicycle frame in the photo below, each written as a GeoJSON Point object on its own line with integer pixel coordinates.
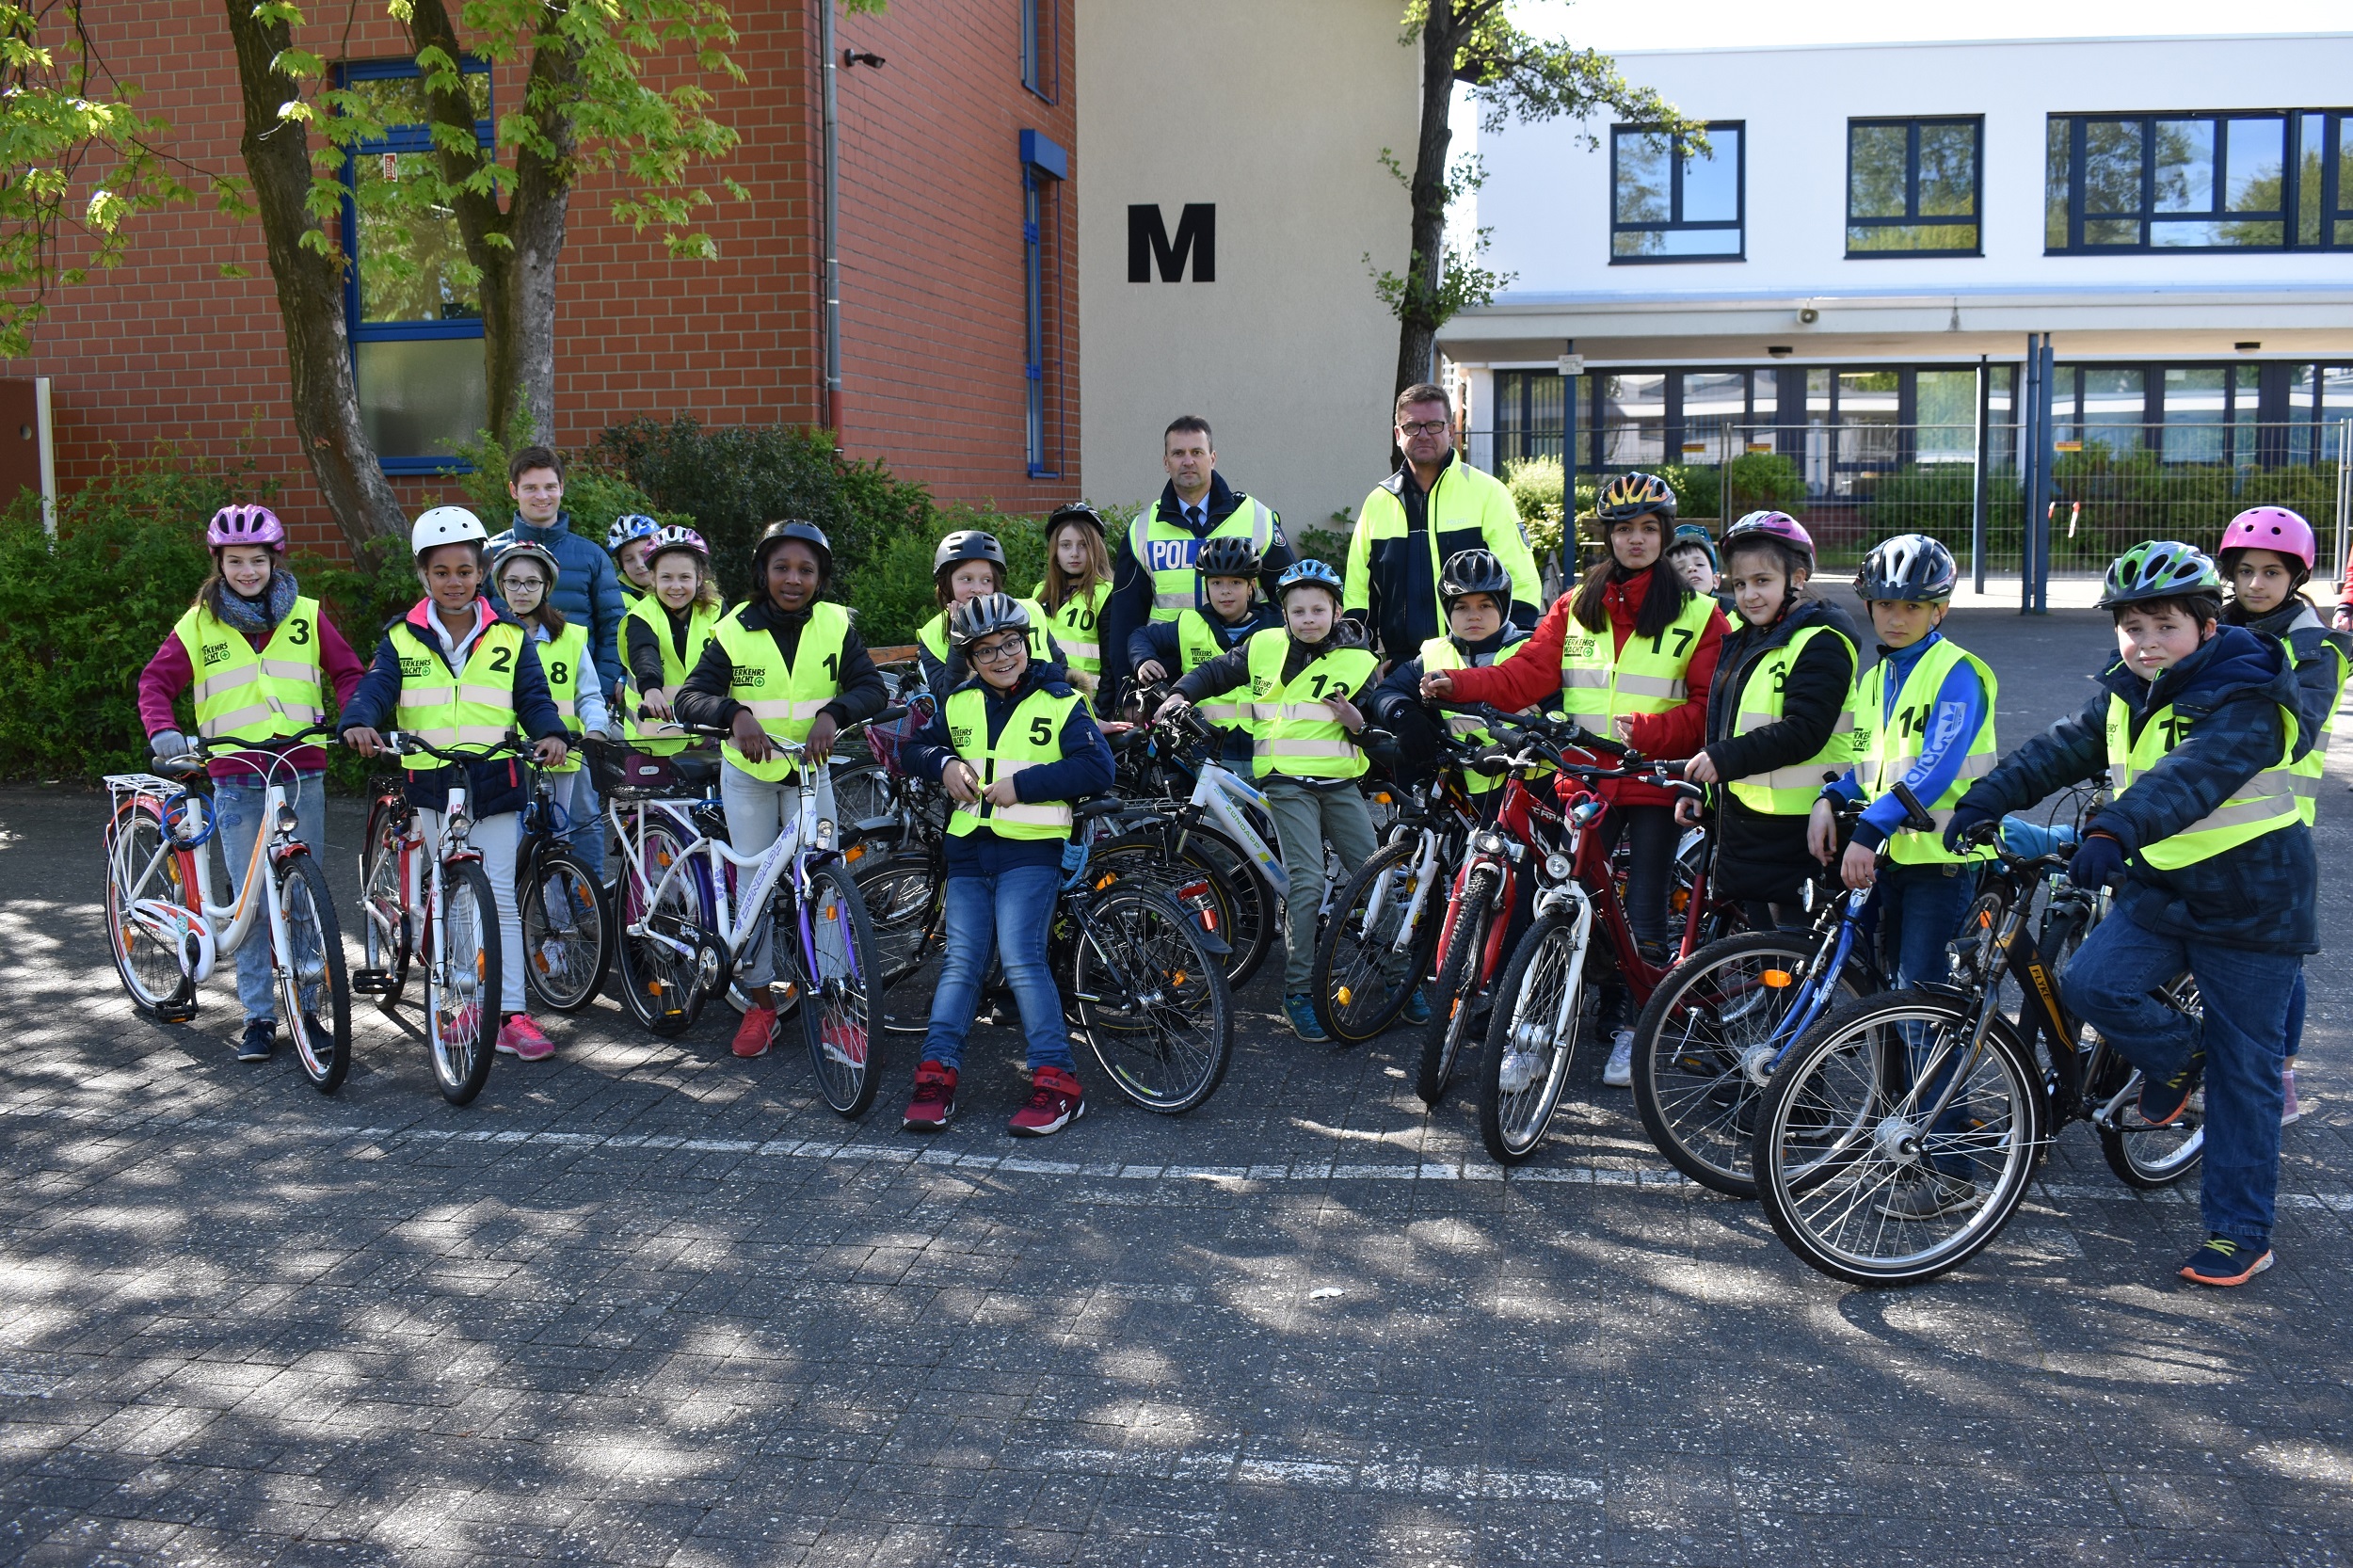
{"type": "Point", "coordinates": [1215, 790]}
{"type": "Point", "coordinates": [217, 930]}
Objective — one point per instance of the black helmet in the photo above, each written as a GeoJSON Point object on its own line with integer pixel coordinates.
{"type": "Point", "coordinates": [1227, 555]}
{"type": "Point", "coordinates": [1633, 495]}
{"type": "Point", "coordinates": [792, 528]}
{"type": "Point", "coordinates": [967, 544]}
{"type": "Point", "coordinates": [1474, 571]}
{"type": "Point", "coordinates": [1908, 566]}
{"type": "Point", "coordinates": [975, 618]}
{"type": "Point", "coordinates": [1074, 511]}
{"type": "Point", "coordinates": [2159, 568]}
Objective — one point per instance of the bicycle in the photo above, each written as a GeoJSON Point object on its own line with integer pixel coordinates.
{"type": "Point", "coordinates": [567, 937]}
{"type": "Point", "coordinates": [167, 936]}
{"type": "Point", "coordinates": [439, 907]}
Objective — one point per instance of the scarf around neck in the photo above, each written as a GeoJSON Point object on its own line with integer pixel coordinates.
{"type": "Point", "coordinates": [259, 617]}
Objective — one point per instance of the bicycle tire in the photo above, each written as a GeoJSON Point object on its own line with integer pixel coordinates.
{"type": "Point", "coordinates": [463, 1007]}
{"type": "Point", "coordinates": [837, 964]}
{"type": "Point", "coordinates": [2152, 1157]}
{"type": "Point", "coordinates": [1701, 1056]}
{"type": "Point", "coordinates": [1244, 908]}
{"type": "Point", "coordinates": [660, 987]}
{"type": "Point", "coordinates": [1359, 997]}
{"type": "Point", "coordinates": [1831, 1144]}
{"type": "Point", "coordinates": [1152, 1001]}
{"type": "Point", "coordinates": [1457, 985]}
{"type": "Point", "coordinates": [1545, 981]}
{"type": "Point", "coordinates": [566, 929]}
{"type": "Point", "coordinates": [383, 902]}
{"type": "Point", "coordinates": [309, 916]}
{"type": "Point", "coordinates": [157, 980]}
{"type": "Point", "coordinates": [905, 904]}
{"type": "Point", "coordinates": [866, 804]}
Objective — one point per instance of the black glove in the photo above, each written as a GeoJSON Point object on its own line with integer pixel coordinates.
{"type": "Point", "coordinates": [2099, 861]}
{"type": "Point", "coordinates": [1966, 817]}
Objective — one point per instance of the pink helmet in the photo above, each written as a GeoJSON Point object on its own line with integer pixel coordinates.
{"type": "Point", "coordinates": [246, 523]}
{"type": "Point", "coordinates": [2272, 528]}
{"type": "Point", "coordinates": [1771, 526]}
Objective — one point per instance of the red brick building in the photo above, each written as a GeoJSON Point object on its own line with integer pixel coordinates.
{"type": "Point", "coordinates": [958, 290]}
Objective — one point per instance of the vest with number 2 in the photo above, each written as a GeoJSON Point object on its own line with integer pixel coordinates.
{"type": "Point", "coordinates": [559, 660]}
{"type": "Point", "coordinates": [473, 707]}
{"type": "Point", "coordinates": [1886, 744]}
{"type": "Point", "coordinates": [785, 699]}
{"type": "Point", "coordinates": [1031, 736]}
{"type": "Point", "coordinates": [1292, 731]}
{"type": "Point", "coordinates": [2264, 804]}
{"type": "Point", "coordinates": [1790, 792]}
{"type": "Point", "coordinates": [268, 695]}
{"type": "Point", "coordinates": [1599, 680]}
{"type": "Point", "coordinates": [1167, 550]}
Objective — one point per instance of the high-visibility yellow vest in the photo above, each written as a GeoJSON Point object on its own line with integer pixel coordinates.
{"type": "Point", "coordinates": [1292, 730]}
{"type": "Point", "coordinates": [1440, 654]}
{"type": "Point", "coordinates": [1599, 680]}
{"type": "Point", "coordinates": [1196, 644]}
{"type": "Point", "coordinates": [1887, 745]}
{"type": "Point", "coordinates": [1790, 792]}
{"type": "Point", "coordinates": [1032, 736]}
{"type": "Point", "coordinates": [268, 695]}
{"type": "Point", "coordinates": [560, 658]}
{"type": "Point", "coordinates": [785, 699]}
{"type": "Point", "coordinates": [2307, 768]}
{"type": "Point", "coordinates": [1167, 550]}
{"type": "Point", "coordinates": [934, 635]}
{"type": "Point", "coordinates": [2264, 804]}
{"type": "Point", "coordinates": [1078, 626]}
{"type": "Point", "coordinates": [702, 623]}
{"type": "Point", "coordinates": [474, 707]}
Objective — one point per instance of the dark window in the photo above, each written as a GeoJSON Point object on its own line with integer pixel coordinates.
{"type": "Point", "coordinates": [1531, 414]}
{"type": "Point", "coordinates": [1040, 47]}
{"type": "Point", "coordinates": [1044, 167]}
{"type": "Point", "coordinates": [2230, 180]}
{"type": "Point", "coordinates": [1668, 204]}
{"type": "Point", "coordinates": [1912, 186]}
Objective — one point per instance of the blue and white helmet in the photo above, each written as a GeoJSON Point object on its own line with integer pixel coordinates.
{"type": "Point", "coordinates": [1308, 574]}
{"type": "Point", "coordinates": [627, 527]}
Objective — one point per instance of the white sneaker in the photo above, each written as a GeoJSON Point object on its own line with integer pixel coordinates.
{"type": "Point", "coordinates": [1618, 1072]}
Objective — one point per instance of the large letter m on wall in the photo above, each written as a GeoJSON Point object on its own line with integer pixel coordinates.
{"type": "Point", "coordinates": [1148, 243]}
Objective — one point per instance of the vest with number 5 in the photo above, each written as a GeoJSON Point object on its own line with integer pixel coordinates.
{"type": "Point", "coordinates": [1031, 738]}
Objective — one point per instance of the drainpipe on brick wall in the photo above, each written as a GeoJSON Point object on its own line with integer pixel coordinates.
{"type": "Point", "coordinates": [831, 52]}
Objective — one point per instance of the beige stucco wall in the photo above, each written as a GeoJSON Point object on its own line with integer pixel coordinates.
{"type": "Point", "coordinates": [1275, 110]}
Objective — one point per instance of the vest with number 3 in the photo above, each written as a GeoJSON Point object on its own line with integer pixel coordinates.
{"type": "Point", "coordinates": [1600, 680]}
{"type": "Point", "coordinates": [1292, 731]}
{"type": "Point", "coordinates": [1031, 736]}
{"type": "Point", "coordinates": [268, 695]}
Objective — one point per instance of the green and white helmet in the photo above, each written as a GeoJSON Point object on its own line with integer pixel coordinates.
{"type": "Point", "coordinates": [2159, 568]}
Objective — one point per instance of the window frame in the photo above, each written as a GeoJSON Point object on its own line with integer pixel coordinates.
{"type": "Point", "coordinates": [1912, 124]}
{"type": "Point", "coordinates": [1044, 329]}
{"type": "Point", "coordinates": [1041, 48]}
{"type": "Point", "coordinates": [1738, 225]}
{"type": "Point", "coordinates": [2335, 220]}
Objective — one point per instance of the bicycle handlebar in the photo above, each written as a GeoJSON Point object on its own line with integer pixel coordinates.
{"type": "Point", "coordinates": [203, 748]}
{"type": "Point", "coordinates": [399, 743]}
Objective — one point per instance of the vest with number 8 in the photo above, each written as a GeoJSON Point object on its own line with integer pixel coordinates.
{"type": "Point", "coordinates": [559, 660]}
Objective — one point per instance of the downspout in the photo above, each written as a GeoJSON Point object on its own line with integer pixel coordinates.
{"type": "Point", "coordinates": [830, 49]}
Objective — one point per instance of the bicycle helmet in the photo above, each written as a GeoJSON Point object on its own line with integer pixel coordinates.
{"type": "Point", "coordinates": [247, 523]}
{"type": "Point", "coordinates": [2272, 528]}
{"type": "Point", "coordinates": [1074, 511]}
{"type": "Point", "coordinates": [676, 538]}
{"type": "Point", "coordinates": [2160, 568]}
{"type": "Point", "coordinates": [967, 544]}
{"type": "Point", "coordinates": [1474, 571]}
{"type": "Point", "coordinates": [442, 525]}
{"type": "Point", "coordinates": [1909, 567]}
{"type": "Point", "coordinates": [985, 617]}
{"type": "Point", "coordinates": [1633, 495]}
{"type": "Point", "coordinates": [809, 534]}
{"type": "Point", "coordinates": [1308, 574]}
{"type": "Point", "coordinates": [1227, 555]}
{"type": "Point", "coordinates": [627, 528]}
{"type": "Point", "coordinates": [1772, 525]}
{"type": "Point", "coordinates": [526, 552]}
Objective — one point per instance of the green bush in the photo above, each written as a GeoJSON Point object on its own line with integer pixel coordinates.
{"type": "Point", "coordinates": [1761, 481]}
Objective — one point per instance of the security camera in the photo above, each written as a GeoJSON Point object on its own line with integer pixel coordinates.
{"type": "Point", "coordinates": [1808, 317]}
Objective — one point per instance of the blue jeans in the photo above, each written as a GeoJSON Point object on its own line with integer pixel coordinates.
{"type": "Point", "coordinates": [238, 811]}
{"type": "Point", "coordinates": [584, 824]}
{"type": "Point", "coordinates": [1920, 911]}
{"type": "Point", "coordinates": [1015, 907]}
{"type": "Point", "coordinates": [2248, 995]}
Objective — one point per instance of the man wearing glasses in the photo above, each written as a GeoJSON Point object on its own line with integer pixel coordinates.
{"type": "Point", "coordinates": [1432, 507]}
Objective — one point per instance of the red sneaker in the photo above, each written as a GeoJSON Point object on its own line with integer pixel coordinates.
{"type": "Point", "coordinates": [935, 1100]}
{"type": "Point", "coordinates": [519, 1037]}
{"type": "Point", "coordinates": [753, 1034]}
{"type": "Point", "coordinates": [1055, 1102]}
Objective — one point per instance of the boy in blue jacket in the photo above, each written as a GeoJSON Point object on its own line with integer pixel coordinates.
{"type": "Point", "coordinates": [2197, 726]}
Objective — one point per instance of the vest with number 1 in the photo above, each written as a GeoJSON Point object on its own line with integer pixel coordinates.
{"type": "Point", "coordinates": [1031, 736]}
{"type": "Point", "coordinates": [1292, 730]}
{"type": "Point", "coordinates": [559, 660]}
{"type": "Point", "coordinates": [1790, 792]}
{"type": "Point", "coordinates": [473, 707]}
{"type": "Point", "coordinates": [1888, 743]}
{"type": "Point", "coordinates": [1167, 550]}
{"type": "Point", "coordinates": [1439, 653]}
{"type": "Point", "coordinates": [1600, 680]}
{"type": "Point", "coordinates": [786, 699]}
{"type": "Point", "coordinates": [268, 695]}
{"type": "Point", "coordinates": [2264, 804]}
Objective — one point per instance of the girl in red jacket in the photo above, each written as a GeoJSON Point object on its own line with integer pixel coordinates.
{"type": "Point", "coordinates": [1631, 652]}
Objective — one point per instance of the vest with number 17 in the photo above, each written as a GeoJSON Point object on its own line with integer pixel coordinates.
{"type": "Point", "coordinates": [1031, 736]}
{"type": "Point", "coordinates": [1887, 743]}
{"type": "Point", "coordinates": [1600, 680]}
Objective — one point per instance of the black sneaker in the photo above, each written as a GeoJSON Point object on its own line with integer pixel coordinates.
{"type": "Point", "coordinates": [2163, 1099]}
{"type": "Point", "coordinates": [2223, 1262]}
{"type": "Point", "coordinates": [1926, 1197]}
{"type": "Point", "coordinates": [261, 1038]}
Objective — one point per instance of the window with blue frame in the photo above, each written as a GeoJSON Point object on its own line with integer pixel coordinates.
{"type": "Point", "coordinates": [1669, 204]}
{"type": "Point", "coordinates": [1040, 47]}
{"type": "Point", "coordinates": [1912, 186]}
{"type": "Point", "coordinates": [1044, 167]}
{"type": "Point", "coordinates": [2237, 180]}
{"type": "Point", "coordinates": [416, 332]}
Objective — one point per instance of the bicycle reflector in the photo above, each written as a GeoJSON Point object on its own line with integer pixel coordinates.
{"type": "Point", "coordinates": [1195, 897]}
{"type": "Point", "coordinates": [1777, 980]}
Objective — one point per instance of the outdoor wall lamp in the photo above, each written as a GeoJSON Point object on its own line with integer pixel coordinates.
{"type": "Point", "coordinates": [861, 56]}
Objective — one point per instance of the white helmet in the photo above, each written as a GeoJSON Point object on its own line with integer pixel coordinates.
{"type": "Point", "coordinates": [446, 526]}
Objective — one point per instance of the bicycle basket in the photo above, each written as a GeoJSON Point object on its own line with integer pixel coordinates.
{"type": "Point", "coordinates": [886, 741]}
{"type": "Point", "coordinates": [617, 766]}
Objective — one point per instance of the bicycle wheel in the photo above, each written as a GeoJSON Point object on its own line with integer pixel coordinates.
{"type": "Point", "coordinates": [1705, 1047]}
{"type": "Point", "coordinates": [311, 971]}
{"type": "Point", "coordinates": [1152, 999]}
{"type": "Point", "coordinates": [461, 982]}
{"type": "Point", "coordinates": [1371, 958]}
{"type": "Point", "coordinates": [866, 802]}
{"type": "Point", "coordinates": [2152, 1156]}
{"type": "Point", "coordinates": [387, 935]}
{"type": "Point", "coordinates": [1539, 1003]}
{"type": "Point", "coordinates": [837, 961]}
{"type": "Point", "coordinates": [1244, 907]}
{"type": "Point", "coordinates": [1856, 1180]}
{"type": "Point", "coordinates": [143, 865]}
{"type": "Point", "coordinates": [663, 986]}
{"type": "Point", "coordinates": [567, 942]}
{"type": "Point", "coordinates": [905, 898]}
{"type": "Point", "coordinates": [1450, 999]}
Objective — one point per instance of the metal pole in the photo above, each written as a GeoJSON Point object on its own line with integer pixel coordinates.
{"type": "Point", "coordinates": [2029, 446]}
{"type": "Point", "coordinates": [2047, 483]}
{"type": "Point", "coordinates": [2344, 498]}
{"type": "Point", "coordinates": [831, 49]}
{"type": "Point", "coordinates": [1976, 483]}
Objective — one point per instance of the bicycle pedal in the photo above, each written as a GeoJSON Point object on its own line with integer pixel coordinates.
{"type": "Point", "coordinates": [371, 982]}
{"type": "Point", "coordinates": [178, 1015]}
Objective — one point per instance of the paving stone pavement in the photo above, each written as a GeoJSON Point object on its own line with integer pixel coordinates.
{"type": "Point", "coordinates": [644, 1303]}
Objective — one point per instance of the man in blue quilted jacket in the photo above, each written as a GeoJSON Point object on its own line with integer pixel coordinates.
{"type": "Point", "coordinates": [587, 591]}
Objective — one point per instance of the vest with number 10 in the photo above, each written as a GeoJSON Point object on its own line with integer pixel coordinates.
{"type": "Point", "coordinates": [473, 707]}
{"type": "Point", "coordinates": [1789, 792]}
{"type": "Point", "coordinates": [1168, 550]}
{"type": "Point", "coordinates": [785, 699]}
{"type": "Point", "coordinates": [1292, 730]}
{"type": "Point", "coordinates": [269, 695]}
{"type": "Point", "coordinates": [1078, 626]}
{"type": "Point", "coordinates": [1031, 736]}
{"type": "Point", "coordinates": [1600, 680]}
{"type": "Point", "coordinates": [1888, 743]}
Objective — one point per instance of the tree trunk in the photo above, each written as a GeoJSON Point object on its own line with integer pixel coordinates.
{"type": "Point", "coordinates": [1417, 322]}
{"type": "Point", "coordinates": [310, 292]}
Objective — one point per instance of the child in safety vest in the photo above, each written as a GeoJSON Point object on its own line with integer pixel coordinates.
{"type": "Point", "coordinates": [1475, 590]}
{"type": "Point", "coordinates": [257, 652]}
{"type": "Point", "coordinates": [1159, 648]}
{"type": "Point", "coordinates": [784, 663]}
{"type": "Point", "coordinates": [971, 565]}
{"type": "Point", "coordinates": [522, 577]}
{"type": "Point", "coordinates": [1305, 681]}
{"type": "Point", "coordinates": [663, 635]}
{"type": "Point", "coordinates": [2199, 726]}
{"type": "Point", "coordinates": [454, 673]}
{"type": "Point", "coordinates": [629, 543]}
{"type": "Point", "coordinates": [1014, 746]}
{"type": "Point", "coordinates": [1780, 719]}
{"type": "Point", "coordinates": [1077, 582]}
{"type": "Point", "coordinates": [2266, 557]}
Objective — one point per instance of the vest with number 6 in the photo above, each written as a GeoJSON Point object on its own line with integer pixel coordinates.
{"type": "Point", "coordinates": [2307, 768]}
{"type": "Point", "coordinates": [2264, 804]}
{"type": "Point", "coordinates": [1888, 743]}
{"type": "Point", "coordinates": [559, 660]}
{"type": "Point", "coordinates": [702, 623]}
{"type": "Point", "coordinates": [786, 699]}
{"type": "Point", "coordinates": [1439, 653]}
{"type": "Point", "coordinates": [1790, 792]}
{"type": "Point", "coordinates": [1167, 550]}
{"type": "Point", "coordinates": [473, 707]}
{"type": "Point", "coordinates": [933, 636]}
{"type": "Point", "coordinates": [1292, 731]}
{"type": "Point", "coordinates": [272, 694]}
{"type": "Point", "coordinates": [1078, 626]}
{"type": "Point", "coordinates": [1599, 680]}
{"type": "Point", "coordinates": [1031, 736]}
